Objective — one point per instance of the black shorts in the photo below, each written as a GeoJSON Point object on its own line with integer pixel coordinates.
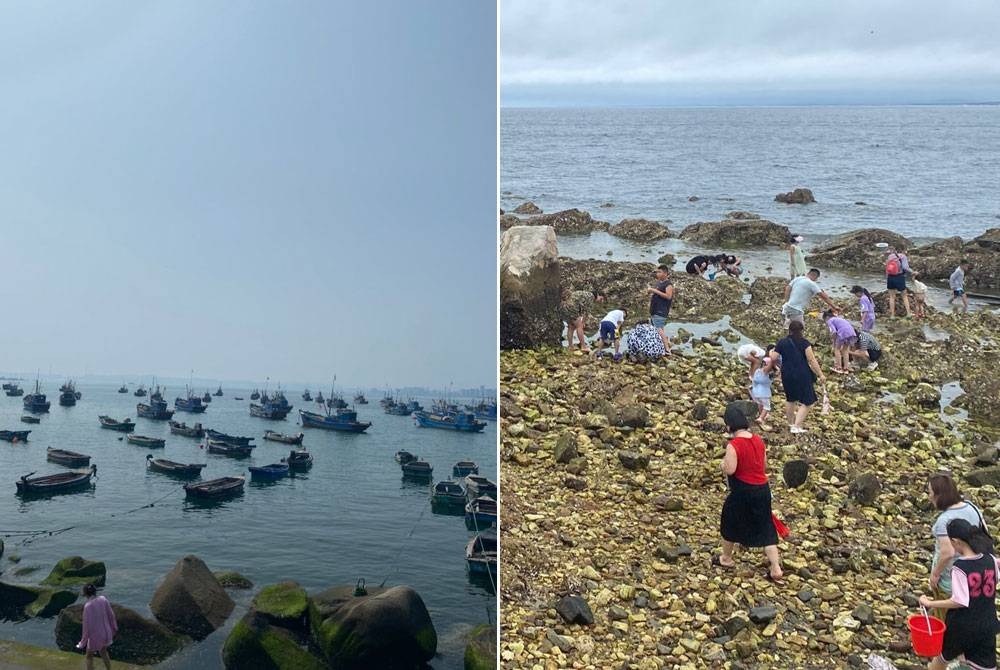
{"type": "Point", "coordinates": [978, 648]}
{"type": "Point", "coordinates": [874, 355]}
{"type": "Point", "coordinates": [896, 282]}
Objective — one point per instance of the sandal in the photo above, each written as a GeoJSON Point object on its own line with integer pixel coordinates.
{"type": "Point", "coordinates": [774, 580]}
{"type": "Point", "coordinates": [717, 562]}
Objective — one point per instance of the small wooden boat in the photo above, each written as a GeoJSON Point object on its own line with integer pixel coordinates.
{"type": "Point", "coordinates": [404, 457]}
{"type": "Point", "coordinates": [143, 441]}
{"type": "Point", "coordinates": [15, 391]}
{"type": "Point", "coordinates": [14, 435]}
{"type": "Point", "coordinates": [269, 473]}
{"type": "Point", "coordinates": [223, 437]}
{"type": "Point", "coordinates": [173, 468]}
{"type": "Point", "coordinates": [124, 425]}
{"type": "Point", "coordinates": [481, 513]}
{"type": "Point", "coordinates": [70, 459]}
{"type": "Point", "coordinates": [140, 392]}
{"type": "Point", "coordinates": [307, 396]}
{"type": "Point", "coordinates": [418, 470]}
{"type": "Point", "coordinates": [298, 459]}
{"type": "Point", "coordinates": [64, 481]}
{"type": "Point", "coordinates": [464, 468]}
{"type": "Point", "coordinates": [481, 554]}
{"type": "Point", "coordinates": [27, 418]}
{"type": "Point", "coordinates": [215, 488]}
{"type": "Point", "coordinates": [229, 449]}
{"type": "Point", "coordinates": [476, 487]}
{"type": "Point", "coordinates": [238, 398]}
{"type": "Point", "coordinates": [448, 494]}
{"type": "Point", "coordinates": [286, 439]}
{"type": "Point", "coordinates": [187, 431]}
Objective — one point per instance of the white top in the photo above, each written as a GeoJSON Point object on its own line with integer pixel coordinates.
{"type": "Point", "coordinates": [798, 261]}
{"type": "Point", "coordinates": [803, 290]}
{"type": "Point", "coordinates": [957, 279]}
{"type": "Point", "coordinates": [747, 350]}
{"type": "Point", "coordinates": [919, 287]}
{"type": "Point", "coordinates": [615, 316]}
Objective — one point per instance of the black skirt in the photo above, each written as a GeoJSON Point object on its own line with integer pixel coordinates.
{"type": "Point", "coordinates": [746, 515]}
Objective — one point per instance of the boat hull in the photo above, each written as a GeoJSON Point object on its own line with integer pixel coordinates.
{"type": "Point", "coordinates": [148, 442]}
{"type": "Point", "coordinates": [155, 413]}
{"type": "Point", "coordinates": [268, 473]}
{"type": "Point", "coordinates": [120, 426]}
{"type": "Point", "coordinates": [179, 470]}
{"type": "Point", "coordinates": [30, 419]}
{"type": "Point", "coordinates": [14, 435]}
{"type": "Point", "coordinates": [215, 489]}
{"type": "Point", "coordinates": [284, 439]}
{"type": "Point", "coordinates": [70, 459]}
{"type": "Point", "coordinates": [333, 422]}
{"type": "Point", "coordinates": [231, 439]}
{"type": "Point", "coordinates": [449, 422]}
{"type": "Point", "coordinates": [53, 484]}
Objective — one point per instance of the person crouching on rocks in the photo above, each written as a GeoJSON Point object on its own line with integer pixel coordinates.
{"type": "Point", "coordinates": [746, 513]}
{"type": "Point", "coordinates": [610, 326]}
{"type": "Point", "coordinates": [575, 308]}
{"type": "Point", "coordinates": [99, 627]}
{"type": "Point", "coordinates": [644, 343]}
{"type": "Point", "coordinates": [971, 612]}
{"type": "Point", "coordinates": [799, 372]}
{"type": "Point", "coordinates": [867, 350]}
{"type": "Point", "coordinates": [844, 337]}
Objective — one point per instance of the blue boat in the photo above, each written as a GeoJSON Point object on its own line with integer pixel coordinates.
{"type": "Point", "coordinates": [14, 435]}
{"type": "Point", "coordinates": [481, 554]}
{"type": "Point", "coordinates": [274, 406]}
{"type": "Point", "coordinates": [156, 409]}
{"type": "Point", "coordinates": [463, 421]}
{"type": "Point", "coordinates": [231, 439]}
{"type": "Point", "coordinates": [191, 403]}
{"type": "Point", "coordinates": [36, 402]}
{"type": "Point", "coordinates": [345, 420]}
{"type": "Point", "coordinates": [336, 402]}
{"type": "Point", "coordinates": [480, 513]}
{"type": "Point", "coordinates": [442, 406]}
{"type": "Point", "coordinates": [268, 473]}
{"type": "Point", "coordinates": [398, 409]}
{"type": "Point", "coordinates": [485, 410]}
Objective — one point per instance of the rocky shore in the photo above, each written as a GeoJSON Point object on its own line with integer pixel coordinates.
{"type": "Point", "coordinates": [612, 492]}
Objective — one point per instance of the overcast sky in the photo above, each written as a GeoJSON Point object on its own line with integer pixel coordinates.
{"type": "Point", "coordinates": [250, 189]}
{"type": "Point", "coordinates": [593, 52]}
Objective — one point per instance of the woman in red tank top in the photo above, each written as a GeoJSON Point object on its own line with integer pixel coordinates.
{"type": "Point", "coordinates": [746, 514]}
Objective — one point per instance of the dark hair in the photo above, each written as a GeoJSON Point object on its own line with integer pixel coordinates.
{"type": "Point", "coordinates": [89, 590]}
{"type": "Point", "coordinates": [945, 492]}
{"type": "Point", "coordinates": [791, 238]}
{"type": "Point", "coordinates": [813, 271]}
{"type": "Point", "coordinates": [861, 289]}
{"type": "Point", "coordinates": [641, 322]}
{"type": "Point", "coordinates": [735, 418]}
{"type": "Point", "coordinates": [979, 541]}
{"type": "Point", "coordinates": [768, 349]}
{"type": "Point", "coordinates": [964, 261]}
{"type": "Point", "coordinates": [664, 267]}
{"type": "Point", "coordinates": [827, 313]}
{"type": "Point", "coordinates": [795, 329]}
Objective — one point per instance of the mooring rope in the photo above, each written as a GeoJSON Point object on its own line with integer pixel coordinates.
{"type": "Point", "coordinates": [402, 546]}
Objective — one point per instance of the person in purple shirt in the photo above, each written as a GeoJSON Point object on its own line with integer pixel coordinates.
{"type": "Point", "coordinates": [867, 307]}
{"type": "Point", "coordinates": [844, 337]}
{"type": "Point", "coordinates": [99, 627]}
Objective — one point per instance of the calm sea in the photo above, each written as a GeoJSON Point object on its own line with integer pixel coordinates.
{"type": "Point", "coordinates": [350, 517]}
{"type": "Point", "coordinates": [924, 172]}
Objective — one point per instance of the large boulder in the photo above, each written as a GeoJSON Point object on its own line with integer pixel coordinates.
{"type": "Point", "coordinates": [640, 230]}
{"type": "Point", "coordinates": [139, 640]}
{"type": "Point", "coordinates": [566, 222]}
{"type": "Point", "coordinates": [938, 260]}
{"type": "Point", "coordinates": [386, 628]}
{"type": "Point", "coordinates": [256, 644]}
{"type": "Point", "coordinates": [737, 233]}
{"type": "Point", "coordinates": [19, 602]}
{"type": "Point", "coordinates": [481, 650]}
{"type": "Point", "coordinates": [77, 571]}
{"type": "Point", "coordinates": [856, 250]}
{"type": "Point", "coordinates": [190, 600]}
{"type": "Point", "coordinates": [529, 288]}
{"type": "Point", "coordinates": [800, 196]}
{"type": "Point", "coordinates": [283, 604]}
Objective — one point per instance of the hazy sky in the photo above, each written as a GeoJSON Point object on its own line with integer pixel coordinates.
{"type": "Point", "coordinates": [592, 52]}
{"type": "Point", "coordinates": [250, 189]}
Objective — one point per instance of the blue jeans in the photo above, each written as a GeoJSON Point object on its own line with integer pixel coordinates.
{"type": "Point", "coordinates": [658, 321]}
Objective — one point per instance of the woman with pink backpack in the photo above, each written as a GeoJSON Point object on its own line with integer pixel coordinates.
{"type": "Point", "coordinates": [896, 267]}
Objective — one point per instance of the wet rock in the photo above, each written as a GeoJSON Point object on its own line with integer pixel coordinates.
{"type": "Point", "coordinates": [670, 504]}
{"type": "Point", "coordinates": [748, 408]}
{"type": "Point", "coordinates": [617, 613]}
{"type": "Point", "coordinates": [800, 196]}
{"type": "Point", "coordinates": [509, 221]}
{"type": "Point", "coordinates": [529, 288]}
{"type": "Point", "coordinates": [640, 230]}
{"type": "Point", "coordinates": [631, 460]}
{"type": "Point", "coordinates": [634, 416]}
{"type": "Point", "coordinates": [693, 198]}
{"type": "Point", "coordinates": [606, 205]}
{"type": "Point", "coordinates": [856, 250]}
{"type": "Point", "coordinates": [986, 455]}
{"type": "Point", "coordinates": [699, 412]}
{"type": "Point", "coordinates": [865, 489]}
{"type": "Point", "coordinates": [20, 602]}
{"type": "Point", "coordinates": [938, 260]}
{"type": "Point", "coordinates": [763, 613]}
{"type": "Point", "coordinates": [864, 613]}
{"type": "Point", "coordinates": [737, 233]}
{"type": "Point", "coordinates": [839, 566]}
{"type": "Point", "coordinates": [574, 609]}
{"type": "Point", "coordinates": [481, 650]}
{"type": "Point", "coordinates": [666, 259]}
{"type": "Point", "coordinates": [256, 642]}
{"type": "Point", "coordinates": [232, 580]}
{"type": "Point", "coordinates": [138, 640]}
{"type": "Point", "coordinates": [984, 476]}
{"type": "Point", "coordinates": [575, 483]}
{"type": "Point", "coordinates": [566, 222]}
{"type": "Point", "coordinates": [527, 208]}
{"type": "Point", "coordinates": [924, 396]}
{"type": "Point", "coordinates": [795, 473]}
{"type": "Point", "coordinates": [77, 571]}
{"type": "Point", "coordinates": [565, 449]}
{"type": "Point", "coordinates": [805, 595]}
{"type": "Point", "coordinates": [734, 625]}
{"type": "Point", "coordinates": [284, 604]}
{"type": "Point", "coordinates": [190, 600]}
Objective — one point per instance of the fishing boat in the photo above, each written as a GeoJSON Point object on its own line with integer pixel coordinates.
{"type": "Point", "coordinates": [218, 393]}
{"type": "Point", "coordinates": [481, 554]}
{"type": "Point", "coordinates": [403, 457]}
{"type": "Point", "coordinates": [36, 402]}
{"type": "Point", "coordinates": [464, 468]}
{"type": "Point", "coordinates": [191, 403]}
{"type": "Point", "coordinates": [224, 437]}
{"type": "Point", "coordinates": [298, 459]}
{"type": "Point", "coordinates": [70, 459]}
{"type": "Point", "coordinates": [140, 392]}
{"type": "Point", "coordinates": [27, 418]}
{"type": "Point", "coordinates": [58, 483]}
{"type": "Point", "coordinates": [477, 487]}
{"type": "Point", "coordinates": [461, 421]}
{"type": "Point", "coordinates": [398, 409]}
{"type": "Point", "coordinates": [448, 494]}
{"type": "Point", "coordinates": [442, 406]}
{"type": "Point", "coordinates": [125, 425]}
{"type": "Point", "coordinates": [215, 488]}
{"type": "Point", "coordinates": [287, 439]}
{"type": "Point", "coordinates": [229, 449]}
{"type": "Point", "coordinates": [417, 470]}
{"type": "Point", "coordinates": [336, 402]}
{"type": "Point", "coordinates": [268, 473]}
{"type": "Point", "coordinates": [173, 468]}
{"type": "Point", "coordinates": [274, 407]}
{"type": "Point", "coordinates": [360, 399]}
{"type": "Point", "coordinates": [255, 395]}
{"type": "Point", "coordinates": [480, 513]}
{"type": "Point", "coordinates": [14, 435]}
{"type": "Point", "coordinates": [319, 398]}
{"type": "Point", "coordinates": [156, 393]}
{"type": "Point", "coordinates": [143, 441]}
{"type": "Point", "coordinates": [67, 398]}
{"type": "Point", "coordinates": [156, 409]}
{"type": "Point", "coordinates": [15, 391]}
{"type": "Point", "coordinates": [485, 410]}
{"type": "Point", "coordinates": [207, 398]}
{"type": "Point", "coordinates": [8, 386]}
{"type": "Point", "coordinates": [345, 420]}
{"type": "Point", "coordinates": [187, 431]}
{"type": "Point", "coordinates": [307, 396]}
{"type": "Point", "coordinates": [123, 389]}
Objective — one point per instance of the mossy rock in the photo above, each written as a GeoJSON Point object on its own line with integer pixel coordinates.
{"type": "Point", "coordinates": [30, 657]}
{"type": "Point", "coordinates": [233, 580]}
{"type": "Point", "coordinates": [77, 571]}
{"type": "Point", "coordinates": [51, 602]}
{"type": "Point", "coordinates": [283, 604]}
{"type": "Point", "coordinates": [481, 650]}
{"type": "Point", "coordinates": [254, 644]}
{"type": "Point", "coordinates": [18, 602]}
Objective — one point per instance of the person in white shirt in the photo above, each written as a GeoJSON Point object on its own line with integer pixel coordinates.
{"type": "Point", "coordinates": [919, 296]}
{"type": "Point", "coordinates": [799, 293]}
{"type": "Point", "coordinates": [610, 326]}
{"type": "Point", "coordinates": [957, 283]}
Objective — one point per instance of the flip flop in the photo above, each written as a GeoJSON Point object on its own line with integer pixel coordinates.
{"type": "Point", "coordinates": [774, 580]}
{"type": "Point", "coordinates": [717, 562]}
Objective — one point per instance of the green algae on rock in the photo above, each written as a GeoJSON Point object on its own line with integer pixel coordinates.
{"type": "Point", "coordinates": [77, 571]}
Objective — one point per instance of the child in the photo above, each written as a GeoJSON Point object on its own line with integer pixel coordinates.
{"type": "Point", "coordinates": [844, 336]}
{"type": "Point", "coordinates": [760, 391]}
{"type": "Point", "coordinates": [867, 306]}
{"type": "Point", "coordinates": [610, 326]}
{"type": "Point", "coordinates": [971, 619]}
{"type": "Point", "coordinates": [919, 295]}
{"type": "Point", "coordinates": [957, 283]}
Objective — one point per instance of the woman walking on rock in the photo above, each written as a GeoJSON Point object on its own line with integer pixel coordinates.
{"type": "Point", "coordinates": [99, 627]}
{"type": "Point", "coordinates": [746, 514]}
{"type": "Point", "coordinates": [799, 372]}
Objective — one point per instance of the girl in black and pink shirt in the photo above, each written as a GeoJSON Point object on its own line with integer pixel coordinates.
{"type": "Point", "coordinates": [972, 614]}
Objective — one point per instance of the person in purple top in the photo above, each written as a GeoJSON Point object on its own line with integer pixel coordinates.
{"type": "Point", "coordinates": [99, 627]}
{"type": "Point", "coordinates": [867, 307]}
{"type": "Point", "coordinates": [844, 337]}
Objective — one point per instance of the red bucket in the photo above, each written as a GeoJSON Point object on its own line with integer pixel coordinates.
{"type": "Point", "coordinates": [926, 642]}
